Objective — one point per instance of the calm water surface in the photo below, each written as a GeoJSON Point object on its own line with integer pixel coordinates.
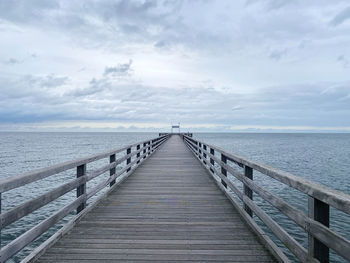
{"type": "Point", "coordinates": [324, 158]}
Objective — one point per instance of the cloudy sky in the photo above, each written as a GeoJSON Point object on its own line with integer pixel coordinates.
{"type": "Point", "coordinates": [245, 65]}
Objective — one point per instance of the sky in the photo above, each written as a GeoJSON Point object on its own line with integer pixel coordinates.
{"type": "Point", "coordinates": [243, 65]}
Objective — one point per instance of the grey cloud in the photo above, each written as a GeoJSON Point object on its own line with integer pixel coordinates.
{"type": "Point", "coordinates": [130, 29]}
{"type": "Point", "coordinates": [343, 61]}
{"type": "Point", "coordinates": [90, 23]}
{"type": "Point", "coordinates": [95, 86]}
{"type": "Point", "coordinates": [160, 44]}
{"type": "Point", "coordinates": [30, 86]}
{"type": "Point", "coordinates": [115, 24]}
{"type": "Point", "coordinates": [341, 17]}
{"type": "Point", "coordinates": [120, 70]}
{"type": "Point", "coordinates": [125, 9]}
{"type": "Point", "coordinates": [278, 54]}
{"type": "Point", "coordinates": [214, 33]}
{"type": "Point", "coordinates": [276, 4]}
{"type": "Point", "coordinates": [12, 61]}
{"type": "Point", "coordinates": [23, 11]}
{"type": "Point", "coordinates": [52, 81]}
{"type": "Point", "coordinates": [109, 99]}
{"type": "Point", "coordinates": [271, 4]}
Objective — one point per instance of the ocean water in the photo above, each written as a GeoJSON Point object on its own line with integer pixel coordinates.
{"type": "Point", "coordinates": [323, 158]}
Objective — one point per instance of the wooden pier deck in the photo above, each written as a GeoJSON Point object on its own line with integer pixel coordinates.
{"type": "Point", "coordinates": [168, 210]}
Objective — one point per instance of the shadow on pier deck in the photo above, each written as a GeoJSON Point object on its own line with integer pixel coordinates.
{"type": "Point", "coordinates": [169, 209]}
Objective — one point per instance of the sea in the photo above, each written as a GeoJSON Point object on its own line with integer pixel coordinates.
{"type": "Point", "coordinates": [322, 158]}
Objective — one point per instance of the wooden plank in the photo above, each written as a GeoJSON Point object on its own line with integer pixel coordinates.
{"type": "Point", "coordinates": [184, 257]}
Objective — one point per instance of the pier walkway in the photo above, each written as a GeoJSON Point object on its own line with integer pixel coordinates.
{"type": "Point", "coordinates": [169, 209]}
{"type": "Point", "coordinates": [171, 198]}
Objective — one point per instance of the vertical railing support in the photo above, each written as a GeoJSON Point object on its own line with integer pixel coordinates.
{"type": "Point", "coordinates": [199, 150]}
{"type": "Point", "coordinates": [212, 152]}
{"type": "Point", "coordinates": [112, 171]}
{"type": "Point", "coordinates": [248, 172]}
{"type": "Point", "coordinates": [204, 154]}
{"type": "Point", "coordinates": [81, 189]}
{"type": "Point", "coordinates": [1, 221]}
{"type": "Point", "coordinates": [223, 170]}
{"type": "Point", "coordinates": [318, 211]}
{"type": "Point", "coordinates": [138, 154]}
{"type": "Point", "coordinates": [128, 151]}
{"type": "Point", "coordinates": [149, 148]}
{"type": "Point", "coordinates": [144, 150]}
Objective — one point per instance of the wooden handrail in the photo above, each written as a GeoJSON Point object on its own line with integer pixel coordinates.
{"type": "Point", "coordinates": [23, 179]}
{"type": "Point", "coordinates": [321, 238]}
{"type": "Point", "coordinates": [335, 198]}
{"type": "Point", "coordinates": [143, 150]}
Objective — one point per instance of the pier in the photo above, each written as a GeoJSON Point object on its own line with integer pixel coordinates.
{"type": "Point", "coordinates": [170, 199]}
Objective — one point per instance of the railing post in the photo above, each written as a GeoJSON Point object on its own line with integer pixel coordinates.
{"type": "Point", "coordinates": [128, 151]}
{"type": "Point", "coordinates": [138, 154]}
{"type": "Point", "coordinates": [81, 189]}
{"type": "Point", "coordinates": [204, 154]}
{"type": "Point", "coordinates": [318, 211]}
{"type": "Point", "coordinates": [212, 152]}
{"type": "Point", "coordinates": [248, 172]}
{"type": "Point", "coordinates": [199, 150]}
{"type": "Point", "coordinates": [154, 144]}
{"type": "Point", "coordinates": [112, 171]}
{"type": "Point", "coordinates": [144, 150]}
{"type": "Point", "coordinates": [1, 222]}
{"type": "Point", "coordinates": [223, 170]}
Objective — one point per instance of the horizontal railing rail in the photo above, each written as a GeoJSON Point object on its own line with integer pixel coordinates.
{"type": "Point", "coordinates": [142, 150]}
{"type": "Point", "coordinates": [320, 198]}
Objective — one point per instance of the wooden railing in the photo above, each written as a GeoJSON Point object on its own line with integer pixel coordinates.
{"type": "Point", "coordinates": [316, 223]}
{"type": "Point", "coordinates": [141, 151]}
